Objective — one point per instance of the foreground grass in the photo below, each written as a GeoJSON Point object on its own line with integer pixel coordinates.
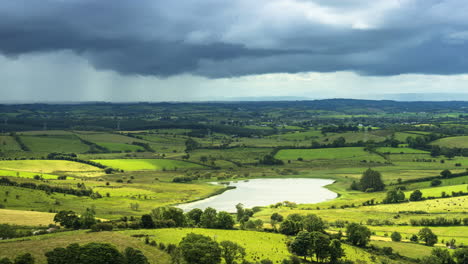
{"type": "Point", "coordinates": [258, 245]}
{"type": "Point", "coordinates": [39, 245]}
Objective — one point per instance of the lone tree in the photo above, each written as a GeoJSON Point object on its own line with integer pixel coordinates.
{"type": "Point", "coordinates": [396, 236]}
{"type": "Point", "coordinates": [200, 249]}
{"type": "Point", "coordinates": [416, 196]}
{"type": "Point", "coordinates": [358, 235]}
{"type": "Point", "coordinates": [231, 252]}
{"type": "Point", "coordinates": [427, 236]}
{"type": "Point", "coordinates": [371, 181]}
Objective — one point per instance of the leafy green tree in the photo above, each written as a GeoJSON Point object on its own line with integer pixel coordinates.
{"type": "Point", "coordinates": [336, 251]}
{"type": "Point", "coordinates": [414, 238]}
{"type": "Point", "coordinates": [240, 211]}
{"type": "Point", "coordinates": [66, 218]}
{"type": "Point", "coordinates": [416, 196]}
{"type": "Point", "coordinates": [339, 142]}
{"type": "Point", "coordinates": [199, 249]}
{"type": "Point", "coordinates": [461, 255]}
{"type": "Point", "coordinates": [224, 220]}
{"type": "Point", "coordinates": [209, 218]}
{"type": "Point", "coordinates": [194, 216]}
{"type": "Point", "coordinates": [320, 245]}
{"type": "Point", "coordinates": [134, 256]}
{"type": "Point", "coordinates": [68, 255]}
{"type": "Point", "coordinates": [26, 258]}
{"type": "Point", "coordinates": [358, 235]}
{"type": "Point", "coordinates": [289, 227]}
{"type": "Point", "coordinates": [427, 236]}
{"type": "Point", "coordinates": [395, 236]}
{"type": "Point", "coordinates": [231, 252]}
{"type": "Point", "coordinates": [312, 223]}
{"type": "Point", "coordinates": [446, 173]}
{"type": "Point", "coordinates": [191, 144]}
{"type": "Point", "coordinates": [371, 180]}
{"type": "Point", "coordinates": [87, 219]}
{"type": "Point", "coordinates": [270, 160]}
{"type": "Point", "coordinates": [443, 256]}
{"type": "Point", "coordinates": [147, 221]}
{"type": "Point", "coordinates": [302, 244]}
{"type": "Point", "coordinates": [5, 261]}
{"type": "Point", "coordinates": [167, 213]}
{"type": "Point", "coordinates": [277, 217]}
{"type": "Point", "coordinates": [100, 253]}
{"type": "Point", "coordinates": [435, 151]}
{"type": "Point", "coordinates": [7, 231]}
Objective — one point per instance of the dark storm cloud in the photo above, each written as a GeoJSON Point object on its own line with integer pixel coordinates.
{"type": "Point", "coordinates": [218, 38]}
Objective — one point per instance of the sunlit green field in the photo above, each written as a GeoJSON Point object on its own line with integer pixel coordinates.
{"type": "Point", "coordinates": [59, 143]}
{"type": "Point", "coordinates": [46, 166]}
{"type": "Point", "coordinates": [452, 142]}
{"type": "Point", "coordinates": [148, 164]}
{"type": "Point", "coordinates": [25, 174]}
{"type": "Point", "coordinates": [258, 245]}
{"type": "Point", "coordinates": [401, 150]}
{"type": "Point", "coordinates": [354, 153]}
{"type": "Point", "coordinates": [26, 218]}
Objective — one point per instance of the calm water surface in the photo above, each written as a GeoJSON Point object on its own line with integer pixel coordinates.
{"type": "Point", "coordinates": [263, 192]}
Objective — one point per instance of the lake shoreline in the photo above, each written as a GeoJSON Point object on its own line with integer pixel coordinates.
{"type": "Point", "coordinates": [310, 182]}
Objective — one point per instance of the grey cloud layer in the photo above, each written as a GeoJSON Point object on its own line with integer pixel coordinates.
{"type": "Point", "coordinates": [220, 38]}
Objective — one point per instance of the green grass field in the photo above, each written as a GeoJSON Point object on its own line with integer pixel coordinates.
{"type": "Point", "coordinates": [354, 153]}
{"type": "Point", "coordinates": [8, 143]}
{"type": "Point", "coordinates": [401, 150]}
{"type": "Point", "coordinates": [59, 143]}
{"type": "Point", "coordinates": [46, 166]}
{"type": "Point", "coordinates": [39, 245]}
{"type": "Point", "coordinates": [25, 174]}
{"type": "Point", "coordinates": [25, 218]}
{"type": "Point", "coordinates": [148, 164]}
{"type": "Point", "coordinates": [119, 147]}
{"type": "Point", "coordinates": [258, 245]}
{"type": "Point", "coordinates": [452, 142]}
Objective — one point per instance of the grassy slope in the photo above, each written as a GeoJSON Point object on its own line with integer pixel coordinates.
{"type": "Point", "coordinates": [39, 245]}
{"type": "Point", "coordinates": [452, 142]}
{"type": "Point", "coordinates": [64, 143]}
{"type": "Point", "coordinates": [8, 143]}
{"type": "Point", "coordinates": [46, 166]}
{"type": "Point", "coordinates": [147, 164]}
{"type": "Point", "coordinates": [354, 153]}
{"type": "Point", "coordinates": [25, 218]}
{"type": "Point", "coordinates": [258, 245]}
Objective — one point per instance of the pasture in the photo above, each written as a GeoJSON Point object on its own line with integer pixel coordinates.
{"type": "Point", "coordinates": [352, 153]}
{"type": "Point", "coordinates": [148, 164]}
{"type": "Point", "coordinates": [59, 143]}
{"type": "Point", "coordinates": [29, 175]}
{"type": "Point", "coordinates": [8, 143]}
{"type": "Point", "coordinates": [39, 245]}
{"type": "Point", "coordinates": [46, 166]}
{"type": "Point", "coordinates": [452, 142]}
{"type": "Point", "coordinates": [25, 218]}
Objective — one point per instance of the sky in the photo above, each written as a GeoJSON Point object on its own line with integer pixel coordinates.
{"type": "Point", "coordinates": [195, 50]}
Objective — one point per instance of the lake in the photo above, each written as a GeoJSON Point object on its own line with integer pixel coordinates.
{"type": "Point", "coordinates": [264, 192]}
